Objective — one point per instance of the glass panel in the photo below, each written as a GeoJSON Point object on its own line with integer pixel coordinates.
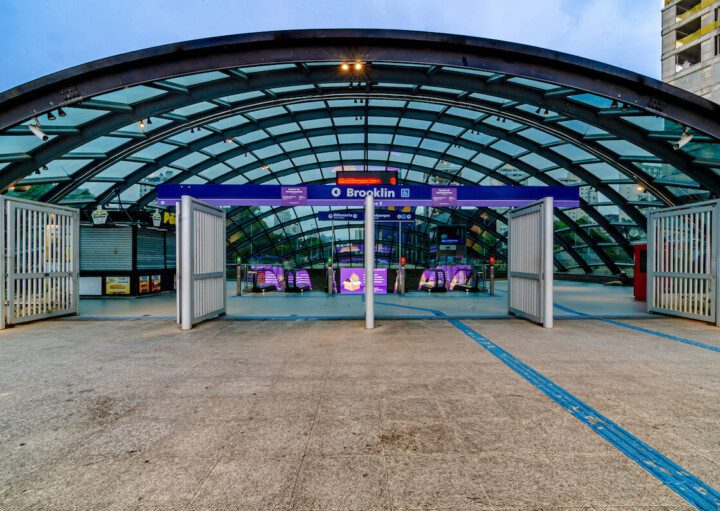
{"type": "Point", "coordinates": [197, 78]}
{"type": "Point", "coordinates": [101, 145]}
{"type": "Point", "coordinates": [197, 108]}
{"type": "Point", "coordinates": [120, 169]}
{"type": "Point", "coordinates": [130, 95]}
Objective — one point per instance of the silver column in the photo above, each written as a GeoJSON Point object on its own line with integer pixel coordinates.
{"type": "Point", "coordinates": [369, 262]}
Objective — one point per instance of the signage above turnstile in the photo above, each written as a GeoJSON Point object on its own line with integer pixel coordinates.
{"type": "Point", "coordinates": [359, 216]}
{"type": "Point", "coordinates": [384, 195]}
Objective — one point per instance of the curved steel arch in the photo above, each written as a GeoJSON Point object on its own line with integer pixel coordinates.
{"type": "Point", "coordinates": [382, 50]}
{"type": "Point", "coordinates": [619, 129]}
{"type": "Point", "coordinates": [603, 154]}
{"type": "Point", "coordinates": [500, 85]}
{"type": "Point", "coordinates": [67, 87]}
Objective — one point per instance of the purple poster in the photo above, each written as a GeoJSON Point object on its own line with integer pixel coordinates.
{"type": "Point", "coordinates": [293, 195]}
{"type": "Point", "coordinates": [352, 281]}
{"type": "Point", "coordinates": [444, 196]}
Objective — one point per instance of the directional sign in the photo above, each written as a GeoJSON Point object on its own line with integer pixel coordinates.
{"type": "Point", "coordinates": [359, 216]}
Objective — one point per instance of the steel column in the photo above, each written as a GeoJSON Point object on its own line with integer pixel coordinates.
{"type": "Point", "coordinates": [369, 262]}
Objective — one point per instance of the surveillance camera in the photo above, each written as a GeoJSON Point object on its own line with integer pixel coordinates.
{"type": "Point", "coordinates": [38, 132]}
{"type": "Point", "coordinates": [686, 137]}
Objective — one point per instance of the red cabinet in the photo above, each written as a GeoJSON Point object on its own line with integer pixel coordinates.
{"type": "Point", "coordinates": [640, 279]}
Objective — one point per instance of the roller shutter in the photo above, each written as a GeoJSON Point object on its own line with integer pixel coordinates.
{"type": "Point", "coordinates": [170, 247]}
{"type": "Point", "coordinates": [105, 249]}
{"type": "Point", "coordinates": [150, 250]}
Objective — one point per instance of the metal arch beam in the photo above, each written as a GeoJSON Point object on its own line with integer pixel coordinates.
{"type": "Point", "coordinates": [587, 177]}
{"type": "Point", "coordinates": [211, 91]}
{"type": "Point", "coordinates": [66, 87]}
{"type": "Point", "coordinates": [592, 212]}
{"type": "Point", "coordinates": [532, 147]}
{"type": "Point", "coordinates": [528, 119]}
{"type": "Point", "coordinates": [581, 233]}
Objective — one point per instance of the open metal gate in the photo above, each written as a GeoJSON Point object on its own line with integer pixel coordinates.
{"type": "Point", "coordinates": [530, 262]}
{"type": "Point", "coordinates": [41, 260]}
{"type": "Point", "coordinates": [200, 262]}
{"type": "Point", "coordinates": [682, 261]}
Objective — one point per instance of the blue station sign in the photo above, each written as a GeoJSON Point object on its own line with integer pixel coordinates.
{"type": "Point", "coordinates": [385, 195]}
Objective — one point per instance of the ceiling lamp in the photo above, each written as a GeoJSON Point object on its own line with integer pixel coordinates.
{"type": "Point", "coordinates": [345, 66]}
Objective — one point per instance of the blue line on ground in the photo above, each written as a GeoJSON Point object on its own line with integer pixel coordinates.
{"type": "Point", "coordinates": [663, 335]}
{"type": "Point", "coordinates": [432, 311]}
{"type": "Point", "coordinates": [696, 492]}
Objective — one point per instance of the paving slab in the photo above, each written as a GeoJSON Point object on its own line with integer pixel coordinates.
{"type": "Point", "coordinates": [326, 415]}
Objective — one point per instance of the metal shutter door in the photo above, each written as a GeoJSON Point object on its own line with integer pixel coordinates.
{"type": "Point", "coordinates": [105, 249]}
{"type": "Point", "coordinates": [150, 250]}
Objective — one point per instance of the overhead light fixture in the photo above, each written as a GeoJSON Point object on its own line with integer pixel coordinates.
{"type": "Point", "coordinates": [141, 123]}
{"type": "Point", "coordinates": [538, 110]}
{"type": "Point", "coordinates": [640, 188]}
{"type": "Point", "coordinates": [625, 107]}
{"type": "Point", "coordinates": [44, 167]}
{"type": "Point", "coordinates": [37, 130]}
{"type": "Point", "coordinates": [547, 112]}
{"type": "Point", "coordinates": [149, 121]}
{"type": "Point", "coordinates": [684, 139]}
{"type": "Point", "coordinates": [358, 66]}
{"type": "Point", "coordinates": [61, 112]}
{"type": "Point", "coordinates": [51, 116]}
{"type": "Point", "coordinates": [345, 66]}
{"type": "Point", "coordinates": [266, 167]}
{"type": "Point", "coordinates": [614, 104]}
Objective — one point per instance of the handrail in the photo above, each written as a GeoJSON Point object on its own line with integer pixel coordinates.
{"type": "Point", "coordinates": [696, 35]}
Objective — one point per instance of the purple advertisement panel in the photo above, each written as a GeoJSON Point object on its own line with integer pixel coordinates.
{"type": "Point", "coordinates": [293, 195]}
{"type": "Point", "coordinates": [446, 196]}
{"type": "Point", "coordinates": [302, 278]}
{"type": "Point", "coordinates": [267, 274]}
{"type": "Point", "coordinates": [352, 281]}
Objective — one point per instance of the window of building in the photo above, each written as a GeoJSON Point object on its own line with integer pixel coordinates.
{"type": "Point", "coordinates": [687, 58]}
{"type": "Point", "coordinates": [717, 44]}
{"type": "Point", "coordinates": [685, 5]}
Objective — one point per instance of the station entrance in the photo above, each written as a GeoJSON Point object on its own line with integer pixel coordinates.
{"type": "Point", "coordinates": [201, 247]}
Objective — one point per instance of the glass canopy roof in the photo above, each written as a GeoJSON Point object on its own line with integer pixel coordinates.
{"type": "Point", "coordinates": [301, 122]}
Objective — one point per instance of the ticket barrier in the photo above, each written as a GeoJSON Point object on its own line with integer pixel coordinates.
{"type": "Point", "coordinates": [297, 284]}
{"type": "Point", "coordinates": [260, 282]}
{"type": "Point", "coordinates": [331, 286]}
{"type": "Point", "coordinates": [436, 283]}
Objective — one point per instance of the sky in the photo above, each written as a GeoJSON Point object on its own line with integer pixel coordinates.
{"type": "Point", "coordinates": [39, 37]}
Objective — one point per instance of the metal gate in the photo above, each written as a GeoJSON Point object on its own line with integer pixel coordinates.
{"type": "Point", "coordinates": [530, 262]}
{"type": "Point", "coordinates": [40, 267]}
{"type": "Point", "coordinates": [682, 261]}
{"type": "Point", "coordinates": [200, 262]}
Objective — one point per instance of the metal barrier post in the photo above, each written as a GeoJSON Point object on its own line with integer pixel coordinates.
{"type": "Point", "coordinates": [492, 276]}
{"type": "Point", "coordinates": [187, 258]}
{"type": "Point", "coordinates": [239, 281]}
{"type": "Point", "coordinates": [548, 263]}
{"type": "Point", "coordinates": [330, 279]}
{"type": "Point", "coordinates": [369, 262]}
